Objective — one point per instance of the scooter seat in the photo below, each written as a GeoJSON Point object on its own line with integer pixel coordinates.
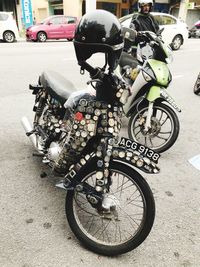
{"type": "Point", "coordinates": [56, 85]}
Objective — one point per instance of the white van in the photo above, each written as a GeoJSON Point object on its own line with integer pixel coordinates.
{"type": "Point", "coordinates": [8, 27]}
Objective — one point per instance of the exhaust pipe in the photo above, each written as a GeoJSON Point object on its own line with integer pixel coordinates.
{"type": "Point", "coordinates": [28, 128]}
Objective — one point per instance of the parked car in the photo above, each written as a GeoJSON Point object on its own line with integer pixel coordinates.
{"type": "Point", "coordinates": [175, 31]}
{"type": "Point", "coordinates": [53, 27]}
{"type": "Point", "coordinates": [8, 27]}
{"type": "Point", "coordinates": [195, 30]}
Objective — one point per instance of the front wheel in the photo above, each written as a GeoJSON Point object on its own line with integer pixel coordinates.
{"type": "Point", "coordinates": [197, 85]}
{"type": "Point", "coordinates": [41, 37]}
{"type": "Point", "coordinates": [177, 42]}
{"type": "Point", "coordinates": [127, 224]}
{"type": "Point", "coordinates": [164, 127]}
{"type": "Point", "coordinates": [9, 37]}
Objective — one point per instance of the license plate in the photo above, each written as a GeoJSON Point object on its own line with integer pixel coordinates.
{"type": "Point", "coordinates": [143, 150]}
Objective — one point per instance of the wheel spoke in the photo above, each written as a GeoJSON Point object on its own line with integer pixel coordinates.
{"type": "Point", "coordinates": [164, 121]}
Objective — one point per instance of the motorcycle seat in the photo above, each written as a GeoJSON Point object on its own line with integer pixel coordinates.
{"type": "Point", "coordinates": [56, 85]}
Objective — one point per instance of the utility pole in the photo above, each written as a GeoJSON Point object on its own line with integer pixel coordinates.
{"type": "Point", "coordinates": [183, 10]}
{"type": "Point", "coordinates": [90, 5]}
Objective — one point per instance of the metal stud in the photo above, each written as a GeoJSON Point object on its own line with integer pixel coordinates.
{"type": "Point", "coordinates": [122, 154]}
{"type": "Point", "coordinates": [118, 94]}
{"type": "Point", "coordinates": [107, 159]}
{"type": "Point", "coordinates": [140, 163]}
{"type": "Point", "coordinates": [97, 112]}
{"type": "Point", "coordinates": [83, 144]}
{"type": "Point", "coordinates": [99, 188]}
{"type": "Point", "coordinates": [98, 104]}
{"type": "Point", "coordinates": [100, 163]}
{"type": "Point", "coordinates": [111, 122]}
{"type": "Point", "coordinates": [87, 116]}
{"type": "Point", "coordinates": [83, 102]}
{"type": "Point", "coordinates": [87, 157]}
{"type": "Point", "coordinates": [115, 153]}
{"type": "Point", "coordinates": [106, 173]}
{"type": "Point", "coordinates": [77, 133]}
{"type": "Point", "coordinates": [82, 161]}
{"type": "Point", "coordinates": [83, 122]}
{"type": "Point", "coordinates": [99, 154]}
{"type": "Point", "coordinates": [110, 130]}
{"type": "Point", "coordinates": [84, 134]}
{"type": "Point", "coordinates": [99, 175]}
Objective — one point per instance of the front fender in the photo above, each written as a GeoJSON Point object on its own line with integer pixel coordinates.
{"type": "Point", "coordinates": [156, 92]}
{"type": "Point", "coordinates": [133, 158]}
{"type": "Point", "coordinates": [125, 154]}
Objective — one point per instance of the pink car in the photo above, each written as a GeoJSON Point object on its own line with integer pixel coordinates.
{"type": "Point", "coordinates": [54, 27]}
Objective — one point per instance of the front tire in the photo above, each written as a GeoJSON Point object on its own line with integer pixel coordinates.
{"type": "Point", "coordinates": [197, 86]}
{"type": "Point", "coordinates": [177, 42]}
{"type": "Point", "coordinates": [41, 37]}
{"type": "Point", "coordinates": [134, 220]}
{"type": "Point", "coordinates": [9, 37]}
{"type": "Point", "coordinates": [164, 127]}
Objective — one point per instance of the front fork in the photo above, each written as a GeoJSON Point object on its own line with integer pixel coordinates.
{"type": "Point", "coordinates": [147, 125]}
{"type": "Point", "coordinates": [154, 93]}
{"type": "Point", "coordinates": [95, 195]}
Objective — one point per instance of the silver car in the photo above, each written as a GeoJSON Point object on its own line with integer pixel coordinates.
{"type": "Point", "coordinates": [175, 31]}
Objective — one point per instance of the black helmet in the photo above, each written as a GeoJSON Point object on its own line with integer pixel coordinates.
{"type": "Point", "coordinates": [99, 31]}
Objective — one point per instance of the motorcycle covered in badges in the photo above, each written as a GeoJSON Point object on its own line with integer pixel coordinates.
{"type": "Point", "coordinates": [150, 109]}
{"type": "Point", "coordinates": [109, 205]}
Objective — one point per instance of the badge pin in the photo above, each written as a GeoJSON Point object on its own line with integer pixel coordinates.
{"type": "Point", "coordinates": [83, 102]}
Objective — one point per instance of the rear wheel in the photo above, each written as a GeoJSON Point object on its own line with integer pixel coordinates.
{"type": "Point", "coordinates": [9, 37]}
{"type": "Point", "coordinates": [164, 127]}
{"type": "Point", "coordinates": [127, 224]}
{"type": "Point", "coordinates": [197, 86]}
{"type": "Point", "coordinates": [41, 37]}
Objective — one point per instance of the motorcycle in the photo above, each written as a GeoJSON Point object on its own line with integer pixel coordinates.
{"type": "Point", "coordinates": [197, 85]}
{"type": "Point", "coordinates": [109, 205]}
{"type": "Point", "coordinates": [150, 109]}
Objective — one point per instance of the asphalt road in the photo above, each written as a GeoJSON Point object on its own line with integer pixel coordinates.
{"type": "Point", "coordinates": [33, 228]}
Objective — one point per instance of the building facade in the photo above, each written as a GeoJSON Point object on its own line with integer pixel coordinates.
{"type": "Point", "coordinates": [41, 9]}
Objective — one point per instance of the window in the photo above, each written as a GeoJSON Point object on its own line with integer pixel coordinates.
{"type": "Point", "coordinates": [57, 21]}
{"type": "Point", "coordinates": [71, 20]}
{"type": "Point", "coordinates": [166, 20]}
{"type": "Point", "coordinates": [158, 19]}
{"type": "Point", "coordinates": [3, 17]}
